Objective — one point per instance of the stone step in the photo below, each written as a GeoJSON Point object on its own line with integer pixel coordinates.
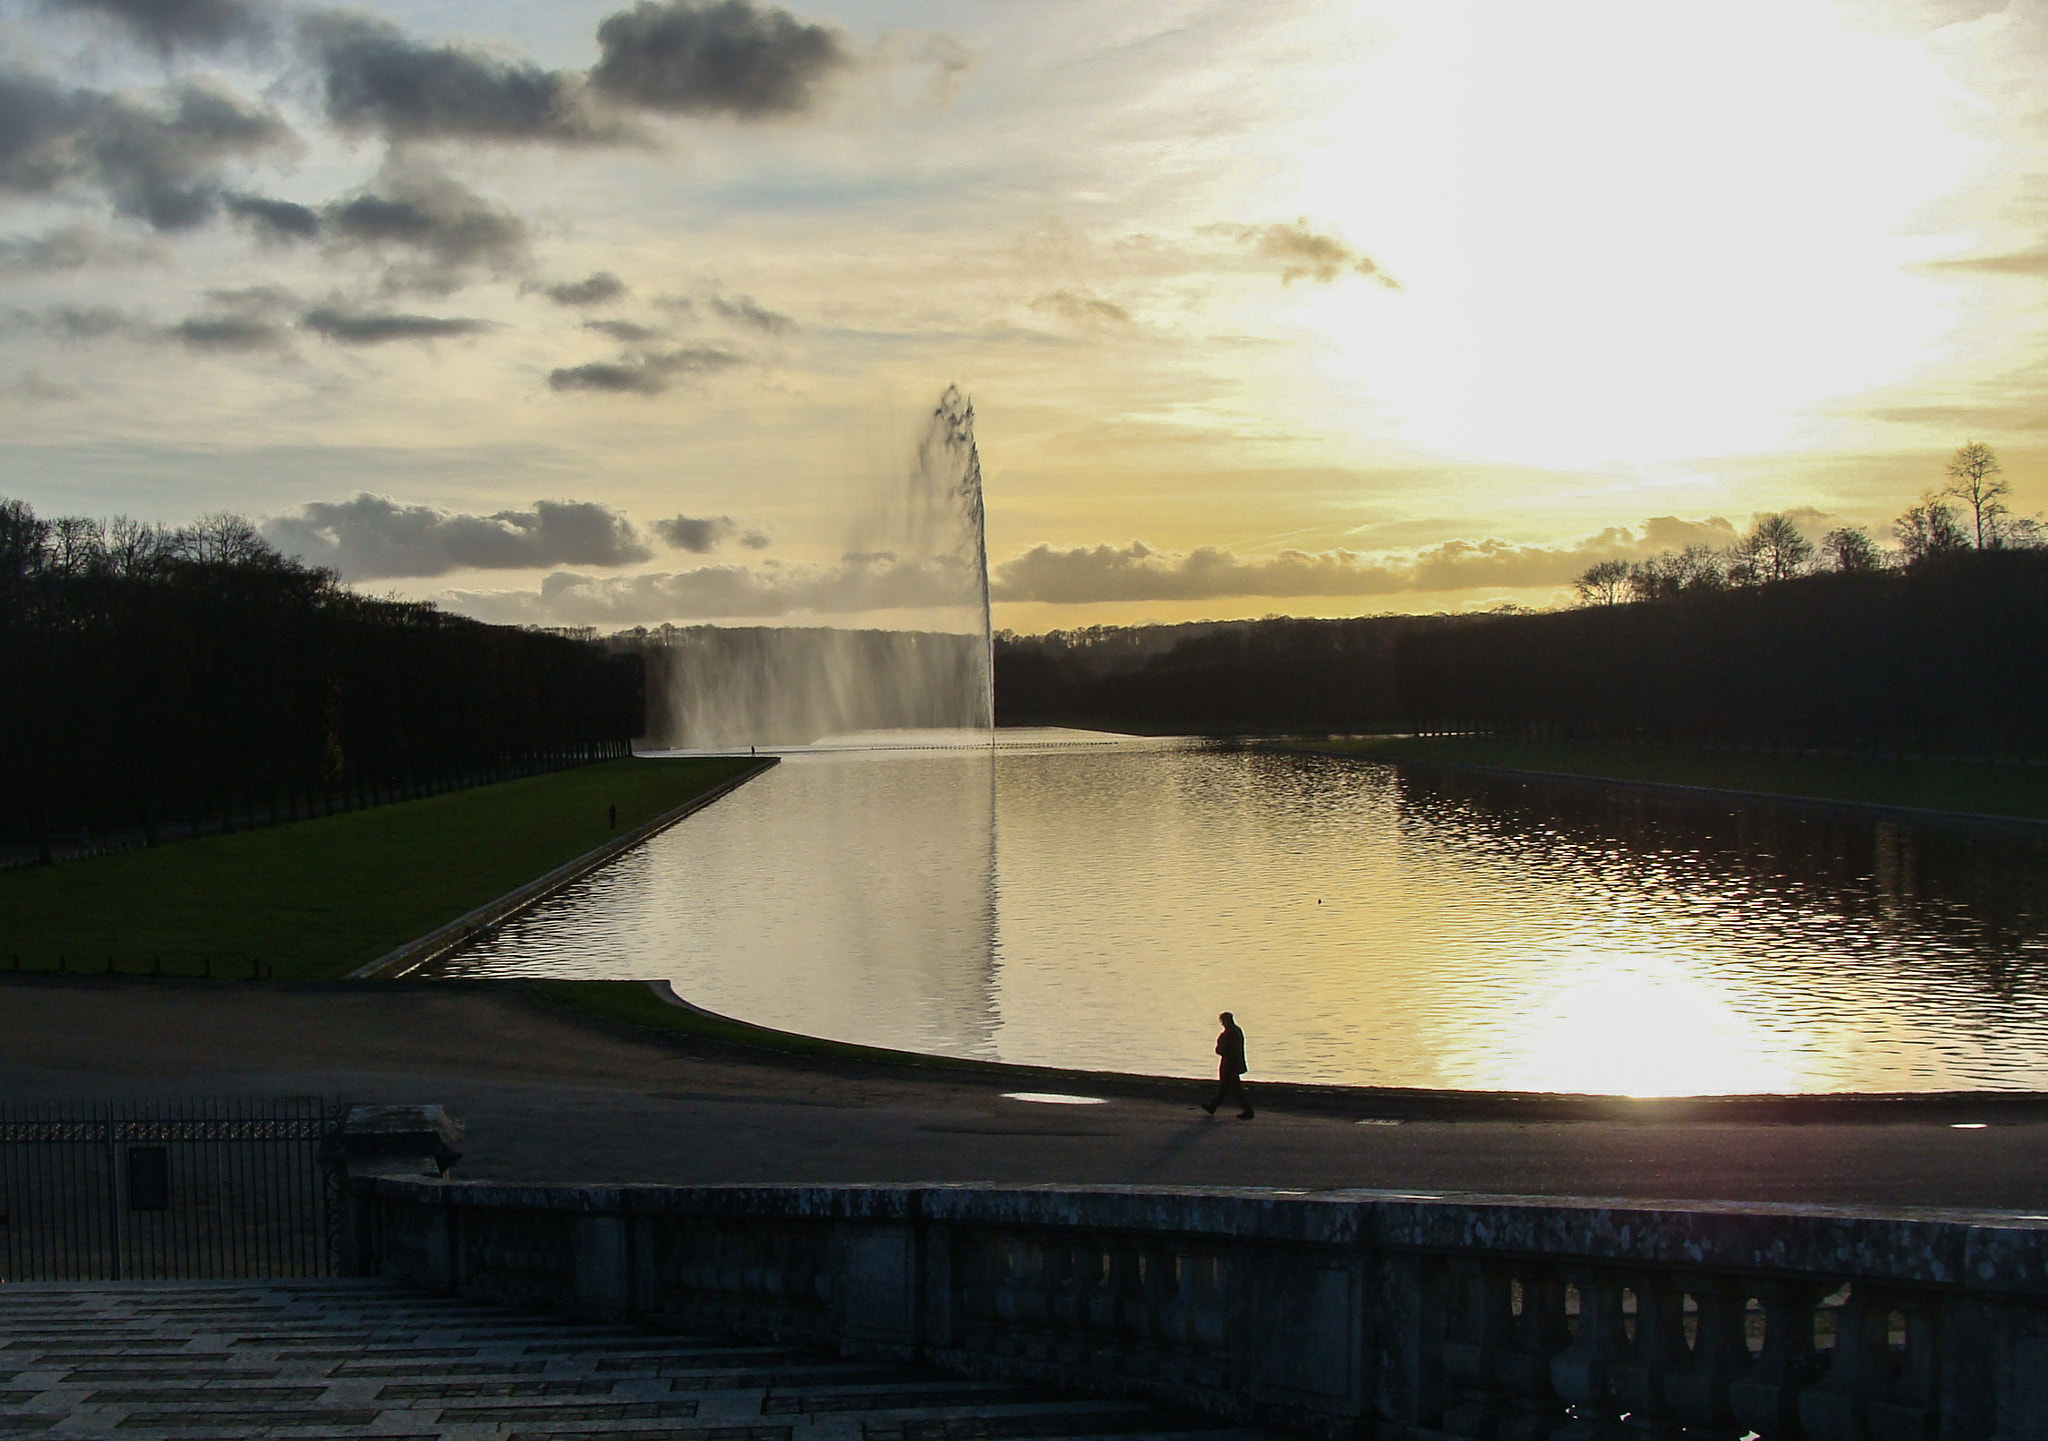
{"type": "Point", "coordinates": [211, 1361]}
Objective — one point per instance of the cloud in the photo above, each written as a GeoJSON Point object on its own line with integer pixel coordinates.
{"type": "Point", "coordinates": [374, 536]}
{"type": "Point", "coordinates": [700, 537]}
{"type": "Point", "coordinates": [168, 25]}
{"type": "Point", "coordinates": [1086, 575]}
{"type": "Point", "coordinates": [449, 227]}
{"type": "Point", "coordinates": [728, 592]}
{"type": "Point", "coordinates": [274, 219]}
{"type": "Point", "coordinates": [375, 328]}
{"type": "Point", "coordinates": [438, 229]}
{"type": "Point", "coordinates": [73, 247]}
{"type": "Point", "coordinates": [373, 77]}
{"type": "Point", "coordinates": [626, 332]}
{"type": "Point", "coordinates": [1306, 254]}
{"type": "Point", "coordinates": [741, 310]}
{"type": "Point", "coordinates": [598, 288]}
{"type": "Point", "coordinates": [1081, 307]}
{"type": "Point", "coordinates": [76, 322]}
{"type": "Point", "coordinates": [648, 374]}
{"type": "Point", "coordinates": [230, 334]}
{"type": "Point", "coordinates": [703, 536]}
{"type": "Point", "coordinates": [717, 57]}
{"type": "Point", "coordinates": [157, 160]}
{"type": "Point", "coordinates": [2020, 262]}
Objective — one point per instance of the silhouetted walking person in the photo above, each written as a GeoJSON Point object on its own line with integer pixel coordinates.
{"type": "Point", "coordinates": [1230, 1069]}
{"type": "Point", "coordinates": [611, 815]}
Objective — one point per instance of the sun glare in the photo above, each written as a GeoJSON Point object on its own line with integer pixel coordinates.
{"type": "Point", "coordinates": [1628, 234]}
{"type": "Point", "coordinates": [1647, 1028]}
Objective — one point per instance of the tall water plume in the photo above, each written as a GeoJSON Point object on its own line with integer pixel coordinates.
{"type": "Point", "coordinates": [920, 542]}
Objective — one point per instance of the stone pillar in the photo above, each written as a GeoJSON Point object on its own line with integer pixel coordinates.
{"type": "Point", "coordinates": [374, 1142]}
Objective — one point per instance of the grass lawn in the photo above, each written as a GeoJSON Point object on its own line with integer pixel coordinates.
{"type": "Point", "coordinates": [1972, 786]}
{"type": "Point", "coordinates": [316, 899]}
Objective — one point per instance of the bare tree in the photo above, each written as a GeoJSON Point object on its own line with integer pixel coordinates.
{"type": "Point", "coordinates": [1850, 548]}
{"type": "Point", "coordinates": [137, 549]}
{"type": "Point", "coordinates": [1930, 529]}
{"type": "Point", "coordinates": [1604, 583]}
{"type": "Point", "coordinates": [1690, 571]}
{"type": "Point", "coordinates": [1976, 479]}
{"type": "Point", "coordinates": [24, 542]}
{"type": "Point", "coordinates": [1773, 550]}
{"type": "Point", "coordinates": [224, 538]}
{"type": "Point", "coordinates": [77, 546]}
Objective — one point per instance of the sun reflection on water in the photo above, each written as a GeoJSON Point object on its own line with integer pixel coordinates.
{"type": "Point", "coordinates": [1642, 1025]}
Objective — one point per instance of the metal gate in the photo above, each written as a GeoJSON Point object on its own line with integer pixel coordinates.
{"type": "Point", "coordinates": [185, 1190]}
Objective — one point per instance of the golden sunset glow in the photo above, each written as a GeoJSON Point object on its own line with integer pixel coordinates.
{"type": "Point", "coordinates": [1317, 307]}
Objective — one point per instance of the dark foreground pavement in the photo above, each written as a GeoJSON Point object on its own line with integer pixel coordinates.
{"type": "Point", "coordinates": [154, 1360]}
{"type": "Point", "coordinates": [547, 1097]}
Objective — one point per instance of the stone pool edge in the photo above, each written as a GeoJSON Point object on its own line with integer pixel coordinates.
{"type": "Point", "coordinates": [1376, 1103]}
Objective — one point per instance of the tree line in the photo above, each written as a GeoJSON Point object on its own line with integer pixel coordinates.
{"type": "Point", "coordinates": [1970, 512]}
{"type": "Point", "coordinates": [1934, 648]}
{"type": "Point", "coordinates": [161, 682]}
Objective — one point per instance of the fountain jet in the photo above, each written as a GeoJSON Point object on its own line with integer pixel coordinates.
{"type": "Point", "coordinates": [725, 687]}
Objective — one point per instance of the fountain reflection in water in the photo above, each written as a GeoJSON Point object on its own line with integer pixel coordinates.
{"type": "Point", "coordinates": [725, 687]}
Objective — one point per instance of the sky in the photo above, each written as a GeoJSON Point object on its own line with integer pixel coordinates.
{"type": "Point", "coordinates": [574, 312]}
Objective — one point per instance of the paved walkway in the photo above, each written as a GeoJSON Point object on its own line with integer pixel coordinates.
{"type": "Point", "coordinates": [547, 1098]}
{"type": "Point", "coordinates": [220, 1359]}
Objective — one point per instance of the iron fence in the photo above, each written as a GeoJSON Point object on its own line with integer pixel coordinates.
{"type": "Point", "coordinates": [156, 1190]}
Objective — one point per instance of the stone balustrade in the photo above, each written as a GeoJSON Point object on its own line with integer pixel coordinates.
{"type": "Point", "coordinates": [1336, 1313]}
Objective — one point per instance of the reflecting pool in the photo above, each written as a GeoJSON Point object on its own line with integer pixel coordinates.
{"type": "Point", "coordinates": [1072, 901]}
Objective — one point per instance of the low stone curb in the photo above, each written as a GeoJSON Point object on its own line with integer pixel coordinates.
{"type": "Point", "coordinates": [414, 954]}
{"type": "Point", "coordinates": [1397, 1104]}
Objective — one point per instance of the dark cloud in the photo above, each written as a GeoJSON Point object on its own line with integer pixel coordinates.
{"type": "Point", "coordinates": [373, 536]}
{"type": "Point", "coordinates": [245, 319]}
{"type": "Point", "coordinates": [434, 232]}
{"type": "Point", "coordinates": [376, 328]}
{"type": "Point", "coordinates": [168, 25]}
{"type": "Point", "coordinates": [157, 160]}
{"type": "Point", "coordinates": [1304, 254]}
{"type": "Point", "coordinates": [648, 374]}
{"type": "Point", "coordinates": [717, 57]}
{"type": "Point", "coordinates": [702, 536]}
{"type": "Point", "coordinates": [598, 288]}
{"type": "Point", "coordinates": [73, 247]}
{"type": "Point", "coordinates": [626, 332]}
{"type": "Point", "coordinates": [447, 229]}
{"type": "Point", "coordinates": [728, 592]}
{"type": "Point", "coordinates": [373, 77]}
{"type": "Point", "coordinates": [230, 334]}
{"type": "Point", "coordinates": [1079, 306]}
{"type": "Point", "coordinates": [741, 310]}
{"type": "Point", "coordinates": [274, 219]}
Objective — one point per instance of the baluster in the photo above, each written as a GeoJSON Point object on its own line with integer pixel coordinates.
{"type": "Point", "coordinates": [1146, 1311]}
{"type": "Point", "coordinates": [1176, 1313]}
{"type": "Point", "coordinates": [1582, 1372]}
{"type": "Point", "coordinates": [1479, 1321]}
{"type": "Point", "coordinates": [1869, 1390]}
{"type": "Point", "coordinates": [1697, 1390]}
{"type": "Point", "coordinates": [1540, 1333]}
{"type": "Point", "coordinates": [1657, 1350]}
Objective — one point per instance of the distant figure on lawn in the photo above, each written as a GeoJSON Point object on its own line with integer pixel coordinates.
{"type": "Point", "coordinates": [611, 815]}
{"type": "Point", "coordinates": [1230, 1069]}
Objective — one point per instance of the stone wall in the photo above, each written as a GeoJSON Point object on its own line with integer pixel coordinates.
{"type": "Point", "coordinates": [1338, 1313]}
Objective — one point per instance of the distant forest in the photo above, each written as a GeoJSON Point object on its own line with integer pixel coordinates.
{"type": "Point", "coordinates": [1944, 654]}
{"type": "Point", "coordinates": [159, 681]}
